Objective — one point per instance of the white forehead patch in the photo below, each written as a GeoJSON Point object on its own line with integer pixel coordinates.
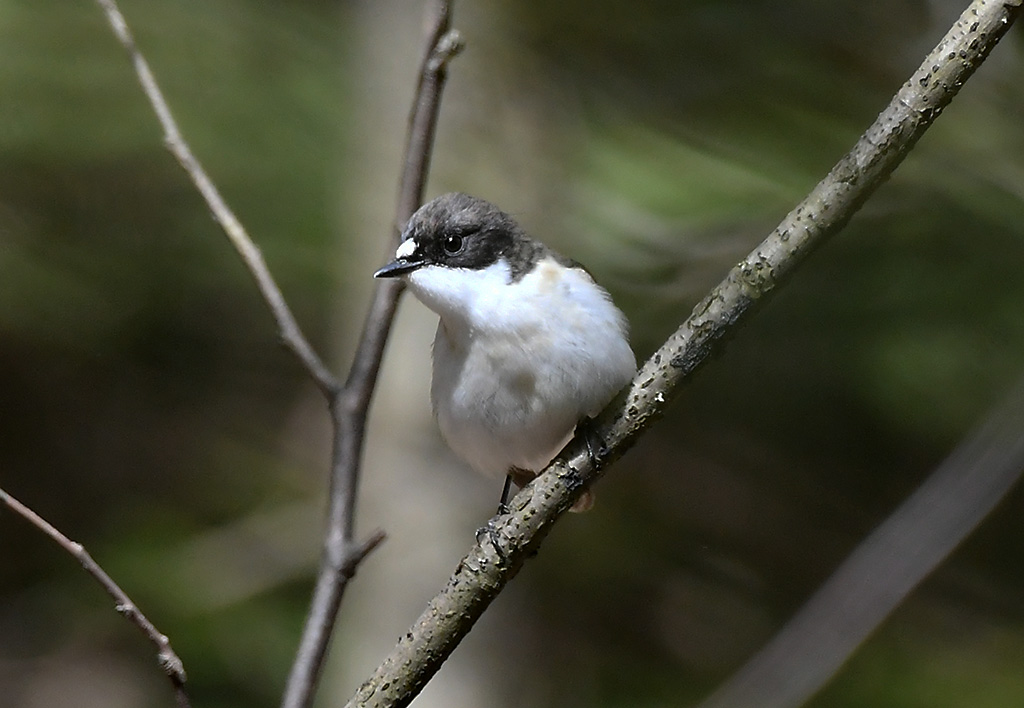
{"type": "Point", "coordinates": [406, 249]}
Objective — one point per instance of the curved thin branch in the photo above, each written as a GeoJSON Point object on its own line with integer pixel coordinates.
{"type": "Point", "coordinates": [482, 574]}
{"type": "Point", "coordinates": [288, 329]}
{"type": "Point", "coordinates": [170, 663]}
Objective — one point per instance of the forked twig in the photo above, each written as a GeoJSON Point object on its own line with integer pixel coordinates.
{"type": "Point", "coordinates": [348, 403]}
{"type": "Point", "coordinates": [350, 407]}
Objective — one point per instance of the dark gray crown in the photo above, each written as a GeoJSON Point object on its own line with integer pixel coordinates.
{"type": "Point", "coordinates": [459, 231]}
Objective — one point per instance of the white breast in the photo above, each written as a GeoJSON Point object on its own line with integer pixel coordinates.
{"type": "Point", "coordinates": [517, 365]}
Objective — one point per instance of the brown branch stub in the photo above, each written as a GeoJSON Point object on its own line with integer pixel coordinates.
{"type": "Point", "coordinates": [356, 556]}
{"type": "Point", "coordinates": [288, 328]}
{"type": "Point", "coordinates": [484, 571]}
{"type": "Point", "coordinates": [169, 661]}
{"type": "Point", "coordinates": [448, 46]}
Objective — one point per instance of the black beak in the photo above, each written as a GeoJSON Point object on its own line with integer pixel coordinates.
{"type": "Point", "coordinates": [399, 266]}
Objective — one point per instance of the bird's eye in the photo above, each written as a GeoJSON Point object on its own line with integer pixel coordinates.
{"type": "Point", "coordinates": [452, 244]}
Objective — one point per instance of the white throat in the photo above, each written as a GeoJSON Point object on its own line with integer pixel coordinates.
{"type": "Point", "coordinates": [465, 299]}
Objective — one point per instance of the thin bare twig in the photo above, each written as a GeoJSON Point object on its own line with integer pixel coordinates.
{"type": "Point", "coordinates": [170, 663]}
{"type": "Point", "coordinates": [349, 409]}
{"type": "Point", "coordinates": [288, 329]}
{"type": "Point", "coordinates": [487, 569]}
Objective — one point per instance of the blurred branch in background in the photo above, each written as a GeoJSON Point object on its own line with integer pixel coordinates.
{"type": "Point", "coordinates": [885, 568]}
{"type": "Point", "coordinates": [169, 660]}
{"type": "Point", "coordinates": [499, 554]}
{"type": "Point", "coordinates": [348, 403]}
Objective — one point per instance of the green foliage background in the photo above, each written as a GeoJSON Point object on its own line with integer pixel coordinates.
{"type": "Point", "coordinates": [146, 410]}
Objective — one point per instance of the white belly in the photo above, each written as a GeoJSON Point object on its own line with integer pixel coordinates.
{"type": "Point", "coordinates": [496, 412]}
{"type": "Point", "coordinates": [509, 388]}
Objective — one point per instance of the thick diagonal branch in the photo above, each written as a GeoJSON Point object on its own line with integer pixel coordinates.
{"type": "Point", "coordinates": [482, 574]}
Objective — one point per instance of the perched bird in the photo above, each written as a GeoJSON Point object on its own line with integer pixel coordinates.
{"type": "Point", "coordinates": [527, 346]}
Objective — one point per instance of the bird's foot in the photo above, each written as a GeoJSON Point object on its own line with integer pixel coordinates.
{"type": "Point", "coordinates": [490, 529]}
{"type": "Point", "coordinates": [490, 532]}
{"type": "Point", "coordinates": [597, 449]}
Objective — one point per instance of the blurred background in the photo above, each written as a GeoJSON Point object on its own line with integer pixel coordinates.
{"type": "Point", "coordinates": [147, 410]}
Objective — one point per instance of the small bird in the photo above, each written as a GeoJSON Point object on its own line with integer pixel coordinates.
{"type": "Point", "coordinates": [527, 345]}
